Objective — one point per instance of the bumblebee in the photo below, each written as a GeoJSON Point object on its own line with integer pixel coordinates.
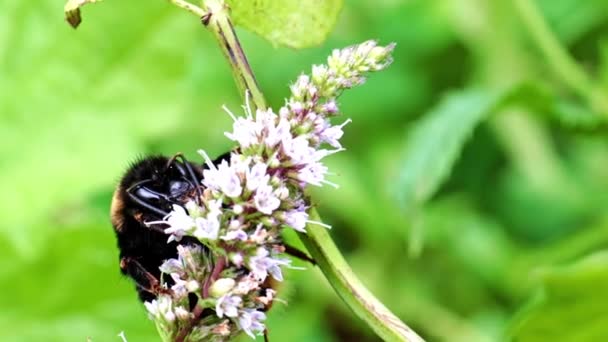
{"type": "Point", "coordinates": [147, 192]}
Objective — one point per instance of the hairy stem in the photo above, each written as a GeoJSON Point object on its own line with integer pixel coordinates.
{"type": "Point", "coordinates": [559, 60]}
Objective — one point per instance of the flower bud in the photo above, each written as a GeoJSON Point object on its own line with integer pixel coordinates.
{"type": "Point", "coordinates": [237, 209]}
{"type": "Point", "coordinates": [221, 286]}
{"type": "Point", "coordinates": [192, 286]}
{"type": "Point", "coordinates": [182, 313]}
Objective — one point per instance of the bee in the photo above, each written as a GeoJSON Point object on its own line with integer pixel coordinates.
{"type": "Point", "coordinates": [147, 192]}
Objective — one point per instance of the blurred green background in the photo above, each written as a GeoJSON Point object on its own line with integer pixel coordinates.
{"type": "Point", "coordinates": [472, 221]}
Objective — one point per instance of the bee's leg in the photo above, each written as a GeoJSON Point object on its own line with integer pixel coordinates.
{"type": "Point", "coordinates": [144, 279]}
{"type": "Point", "coordinates": [294, 252]}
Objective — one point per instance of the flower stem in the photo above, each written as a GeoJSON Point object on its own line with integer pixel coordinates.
{"type": "Point", "coordinates": [559, 60]}
{"type": "Point", "coordinates": [317, 240]}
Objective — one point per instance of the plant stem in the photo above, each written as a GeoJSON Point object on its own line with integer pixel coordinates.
{"type": "Point", "coordinates": [363, 303]}
{"type": "Point", "coordinates": [189, 7]}
{"type": "Point", "coordinates": [559, 60]}
{"type": "Point", "coordinates": [317, 240]}
{"type": "Point", "coordinates": [219, 23]}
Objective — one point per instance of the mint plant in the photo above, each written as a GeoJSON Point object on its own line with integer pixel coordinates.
{"type": "Point", "coordinates": [249, 199]}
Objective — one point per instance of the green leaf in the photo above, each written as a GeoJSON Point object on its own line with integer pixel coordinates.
{"type": "Point", "coordinates": [293, 23]}
{"type": "Point", "coordinates": [72, 11]}
{"type": "Point", "coordinates": [436, 141]}
{"type": "Point", "coordinates": [570, 305]}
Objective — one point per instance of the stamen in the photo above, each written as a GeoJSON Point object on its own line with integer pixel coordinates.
{"type": "Point", "coordinates": [319, 224]}
{"type": "Point", "coordinates": [207, 159]}
{"type": "Point", "coordinates": [334, 185]}
{"type": "Point", "coordinates": [229, 112]}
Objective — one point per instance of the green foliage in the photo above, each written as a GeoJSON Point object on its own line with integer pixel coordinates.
{"type": "Point", "coordinates": [507, 190]}
{"type": "Point", "coordinates": [292, 23]}
{"type": "Point", "coordinates": [436, 142]}
{"type": "Point", "coordinates": [569, 305]}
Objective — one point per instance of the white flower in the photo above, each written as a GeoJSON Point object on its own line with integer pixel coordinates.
{"type": "Point", "coordinates": [179, 222]}
{"type": "Point", "coordinates": [223, 178]}
{"type": "Point", "coordinates": [313, 173]}
{"type": "Point", "coordinates": [257, 176]}
{"type": "Point", "coordinates": [261, 265]}
{"type": "Point", "coordinates": [172, 266]}
{"type": "Point", "coordinates": [179, 287]}
{"type": "Point", "coordinates": [238, 234]}
{"type": "Point", "coordinates": [161, 308]}
{"type": "Point", "coordinates": [207, 228]}
{"type": "Point", "coordinates": [214, 207]}
{"type": "Point", "coordinates": [227, 305]}
{"type": "Point", "coordinates": [330, 107]}
{"type": "Point", "coordinates": [332, 135]}
{"type": "Point", "coordinates": [296, 219]}
{"type": "Point", "coordinates": [265, 118]}
{"type": "Point", "coordinates": [244, 131]}
{"type": "Point", "coordinates": [298, 150]}
{"type": "Point", "coordinates": [279, 133]}
{"type": "Point", "coordinates": [250, 321]}
{"type": "Point", "coordinates": [237, 259]}
{"type": "Point", "coordinates": [265, 201]}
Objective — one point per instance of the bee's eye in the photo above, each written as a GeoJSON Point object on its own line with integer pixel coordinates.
{"type": "Point", "coordinates": [145, 193]}
{"type": "Point", "coordinates": [177, 188]}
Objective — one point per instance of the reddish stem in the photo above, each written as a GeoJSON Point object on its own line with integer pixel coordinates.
{"type": "Point", "coordinates": [198, 310]}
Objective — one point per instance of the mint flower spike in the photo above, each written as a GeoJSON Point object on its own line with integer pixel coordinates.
{"type": "Point", "coordinates": [249, 199]}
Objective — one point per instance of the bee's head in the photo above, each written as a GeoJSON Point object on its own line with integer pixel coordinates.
{"type": "Point", "coordinates": [155, 183]}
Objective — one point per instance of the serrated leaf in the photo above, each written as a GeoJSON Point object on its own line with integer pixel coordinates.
{"type": "Point", "coordinates": [292, 23]}
{"type": "Point", "coordinates": [570, 306]}
{"type": "Point", "coordinates": [72, 11]}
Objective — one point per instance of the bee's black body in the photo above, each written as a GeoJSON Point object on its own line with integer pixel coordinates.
{"type": "Point", "coordinates": [146, 193]}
